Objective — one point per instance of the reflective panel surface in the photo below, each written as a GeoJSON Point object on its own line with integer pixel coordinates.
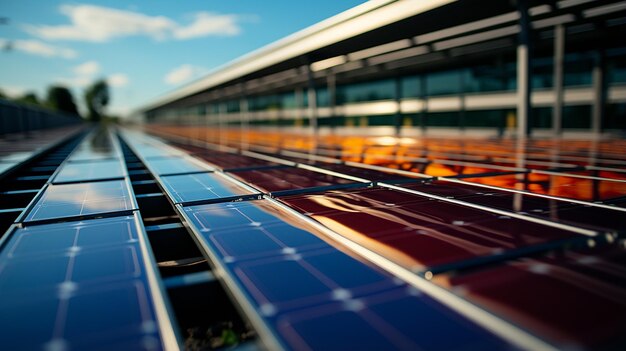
{"type": "Point", "coordinates": [77, 284]}
{"type": "Point", "coordinates": [556, 185]}
{"type": "Point", "coordinates": [570, 298]}
{"type": "Point", "coordinates": [271, 180]}
{"type": "Point", "coordinates": [424, 233]}
{"type": "Point", "coordinates": [68, 200]}
{"type": "Point", "coordinates": [201, 186]}
{"type": "Point", "coordinates": [86, 171]}
{"type": "Point", "coordinates": [164, 166]}
{"type": "Point", "coordinates": [386, 321]}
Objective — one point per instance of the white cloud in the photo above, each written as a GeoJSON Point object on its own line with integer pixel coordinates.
{"type": "Point", "coordinates": [207, 23]}
{"type": "Point", "coordinates": [183, 73]}
{"type": "Point", "coordinates": [89, 68]}
{"type": "Point", "coordinates": [118, 80]}
{"type": "Point", "coordinates": [100, 24]}
{"type": "Point", "coordinates": [35, 47]}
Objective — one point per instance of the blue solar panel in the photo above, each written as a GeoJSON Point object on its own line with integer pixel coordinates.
{"type": "Point", "coordinates": [174, 165]}
{"type": "Point", "coordinates": [81, 285]}
{"type": "Point", "coordinates": [201, 186]}
{"type": "Point", "coordinates": [400, 319]}
{"type": "Point", "coordinates": [88, 171]}
{"type": "Point", "coordinates": [285, 270]}
{"type": "Point", "coordinates": [230, 215]}
{"type": "Point", "coordinates": [256, 241]}
{"type": "Point", "coordinates": [69, 200]}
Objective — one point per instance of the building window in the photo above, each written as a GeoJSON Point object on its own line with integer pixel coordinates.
{"type": "Point", "coordinates": [577, 117]}
{"type": "Point", "coordinates": [442, 119]}
{"type": "Point", "coordinates": [444, 83]}
{"type": "Point", "coordinates": [411, 87]}
{"type": "Point", "coordinates": [369, 91]}
{"type": "Point", "coordinates": [615, 118]}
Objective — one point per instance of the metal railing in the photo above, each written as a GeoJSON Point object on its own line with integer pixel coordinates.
{"type": "Point", "coordinates": [16, 118]}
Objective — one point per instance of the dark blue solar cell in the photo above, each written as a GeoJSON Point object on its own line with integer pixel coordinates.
{"type": "Point", "coordinates": [105, 232]}
{"type": "Point", "coordinates": [107, 313]}
{"type": "Point", "coordinates": [249, 241]}
{"type": "Point", "coordinates": [67, 200]}
{"type": "Point", "coordinates": [26, 324]}
{"type": "Point", "coordinates": [67, 278]}
{"type": "Point", "coordinates": [348, 272]}
{"type": "Point", "coordinates": [55, 240]}
{"type": "Point", "coordinates": [434, 327]}
{"type": "Point", "coordinates": [263, 240]}
{"type": "Point", "coordinates": [87, 171]}
{"type": "Point", "coordinates": [202, 186]}
{"type": "Point", "coordinates": [335, 330]}
{"type": "Point", "coordinates": [108, 264]}
{"type": "Point", "coordinates": [294, 237]}
{"type": "Point", "coordinates": [229, 215]}
{"type": "Point", "coordinates": [164, 166]}
{"type": "Point", "coordinates": [18, 275]}
{"type": "Point", "coordinates": [282, 282]}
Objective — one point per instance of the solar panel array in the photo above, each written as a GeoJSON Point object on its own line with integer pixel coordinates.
{"type": "Point", "coordinates": [75, 268]}
{"type": "Point", "coordinates": [367, 247]}
{"type": "Point", "coordinates": [537, 245]}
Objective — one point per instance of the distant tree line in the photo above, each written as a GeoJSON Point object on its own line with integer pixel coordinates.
{"type": "Point", "coordinates": [61, 99]}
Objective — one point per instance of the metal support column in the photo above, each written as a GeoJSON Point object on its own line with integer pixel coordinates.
{"type": "Point", "coordinates": [245, 118]}
{"type": "Point", "coordinates": [523, 73]}
{"type": "Point", "coordinates": [599, 94]}
{"type": "Point", "coordinates": [559, 52]}
{"type": "Point", "coordinates": [312, 99]}
{"type": "Point", "coordinates": [397, 120]}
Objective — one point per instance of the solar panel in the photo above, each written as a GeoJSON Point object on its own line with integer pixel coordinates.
{"type": "Point", "coordinates": [398, 319]}
{"type": "Point", "coordinates": [557, 185]}
{"type": "Point", "coordinates": [69, 200]}
{"type": "Point", "coordinates": [424, 233]}
{"type": "Point", "coordinates": [76, 285]}
{"type": "Point", "coordinates": [277, 179]}
{"type": "Point", "coordinates": [165, 166]}
{"type": "Point", "coordinates": [286, 269]}
{"type": "Point", "coordinates": [201, 186]}
{"type": "Point", "coordinates": [230, 215]}
{"type": "Point", "coordinates": [90, 171]}
{"type": "Point", "coordinates": [577, 290]}
{"type": "Point", "coordinates": [442, 234]}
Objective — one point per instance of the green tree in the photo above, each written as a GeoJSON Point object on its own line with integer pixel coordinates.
{"type": "Point", "coordinates": [97, 98]}
{"type": "Point", "coordinates": [60, 98]}
{"type": "Point", "coordinates": [29, 98]}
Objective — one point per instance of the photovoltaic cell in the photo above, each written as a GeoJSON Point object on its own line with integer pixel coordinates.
{"type": "Point", "coordinates": [201, 186]}
{"type": "Point", "coordinates": [69, 200]}
{"type": "Point", "coordinates": [400, 319]}
{"type": "Point", "coordinates": [87, 154]}
{"type": "Point", "coordinates": [89, 171]}
{"type": "Point", "coordinates": [272, 180]}
{"type": "Point", "coordinates": [164, 166]}
{"type": "Point", "coordinates": [230, 215]}
{"type": "Point", "coordinates": [578, 305]}
{"type": "Point", "coordinates": [286, 269]}
{"type": "Point", "coordinates": [425, 233]}
{"type": "Point", "coordinates": [556, 185]}
{"type": "Point", "coordinates": [78, 284]}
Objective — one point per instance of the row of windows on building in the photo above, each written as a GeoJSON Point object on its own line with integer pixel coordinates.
{"type": "Point", "coordinates": [498, 77]}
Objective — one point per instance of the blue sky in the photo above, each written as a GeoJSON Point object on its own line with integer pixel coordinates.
{"type": "Point", "coordinates": [144, 49]}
